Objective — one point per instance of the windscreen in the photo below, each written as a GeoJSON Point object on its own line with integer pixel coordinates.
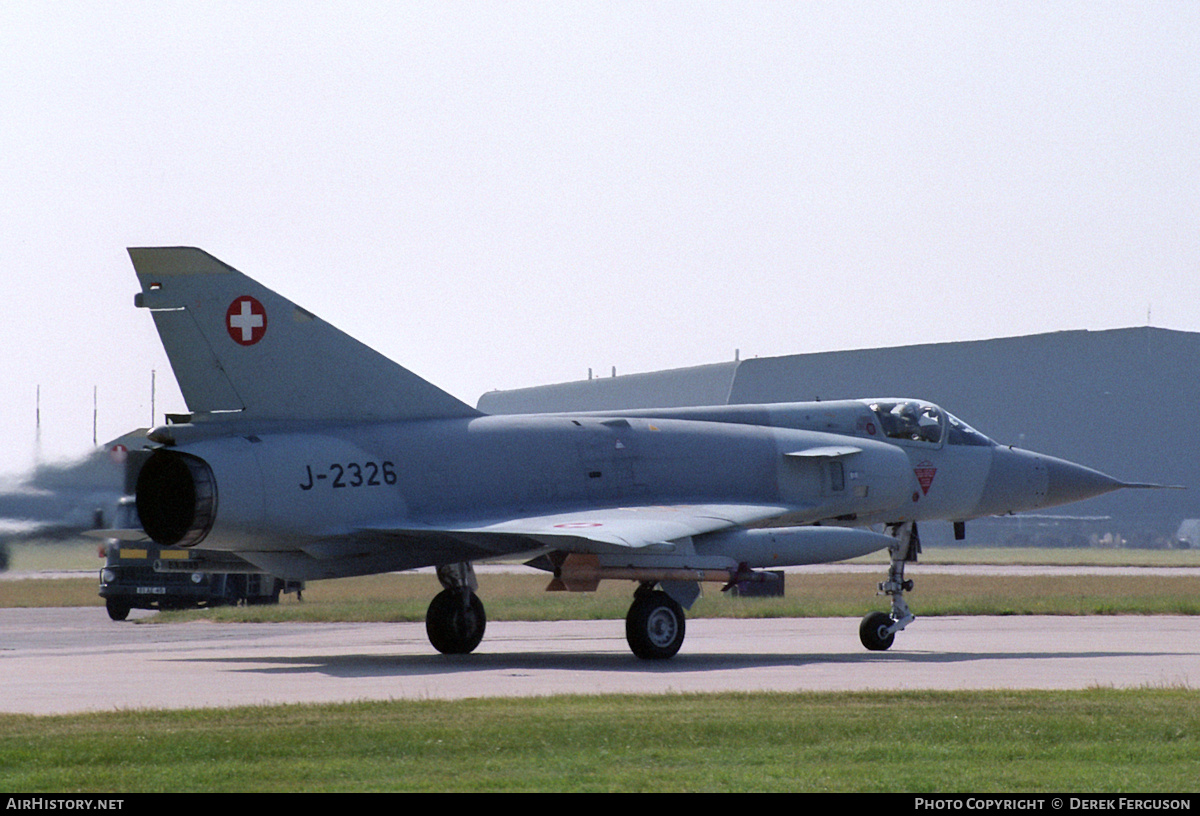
{"type": "Point", "coordinates": [909, 420]}
{"type": "Point", "coordinates": [960, 433]}
{"type": "Point", "coordinates": [917, 421]}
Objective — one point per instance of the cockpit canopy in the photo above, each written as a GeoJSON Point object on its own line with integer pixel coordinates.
{"type": "Point", "coordinates": [917, 421]}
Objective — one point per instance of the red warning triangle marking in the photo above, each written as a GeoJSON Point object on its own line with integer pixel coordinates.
{"type": "Point", "coordinates": [925, 472]}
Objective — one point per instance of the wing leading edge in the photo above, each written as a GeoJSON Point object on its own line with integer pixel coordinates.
{"type": "Point", "coordinates": [613, 529]}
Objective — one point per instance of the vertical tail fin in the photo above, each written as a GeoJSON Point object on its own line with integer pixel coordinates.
{"type": "Point", "coordinates": [237, 346]}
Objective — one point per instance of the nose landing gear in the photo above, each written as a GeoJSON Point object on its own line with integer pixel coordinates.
{"type": "Point", "coordinates": [878, 629]}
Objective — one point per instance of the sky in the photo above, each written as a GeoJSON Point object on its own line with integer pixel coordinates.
{"type": "Point", "coordinates": [506, 194]}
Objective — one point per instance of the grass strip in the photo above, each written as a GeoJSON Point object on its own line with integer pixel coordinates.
{"type": "Point", "coordinates": [1099, 740]}
{"type": "Point", "coordinates": [520, 596]}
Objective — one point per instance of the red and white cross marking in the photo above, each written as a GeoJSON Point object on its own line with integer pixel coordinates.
{"type": "Point", "coordinates": [246, 321]}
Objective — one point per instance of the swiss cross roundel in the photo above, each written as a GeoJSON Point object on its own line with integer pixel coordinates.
{"type": "Point", "coordinates": [246, 321]}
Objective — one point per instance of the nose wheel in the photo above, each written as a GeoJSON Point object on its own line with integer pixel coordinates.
{"type": "Point", "coordinates": [876, 632]}
{"type": "Point", "coordinates": [878, 629]}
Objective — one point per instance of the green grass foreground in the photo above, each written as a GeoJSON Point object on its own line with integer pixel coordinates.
{"type": "Point", "coordinates": [1093, 741]}
{"type": "Point", "coordinates": [1099, 740]}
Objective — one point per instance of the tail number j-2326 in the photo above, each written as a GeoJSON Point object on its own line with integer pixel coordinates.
{"type": "Point", "coordinates": [352, 474]}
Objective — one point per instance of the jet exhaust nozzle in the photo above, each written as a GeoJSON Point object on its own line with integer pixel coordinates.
{"type": "Point", "coordinates": [176, 499]}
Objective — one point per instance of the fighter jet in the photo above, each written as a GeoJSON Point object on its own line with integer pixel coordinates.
{"type": "Point", "coordinates": [311, 456]}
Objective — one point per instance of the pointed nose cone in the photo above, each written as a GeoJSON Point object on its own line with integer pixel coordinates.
{"type": "Point", "coordinates": [1020, 480]}
{"type": "Point", "coordinates": [1068, 482]}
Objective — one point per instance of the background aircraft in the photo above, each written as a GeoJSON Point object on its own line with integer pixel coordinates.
{"type": "Point", "coordinates": [311, 456]}
{"type": "Point", "coordinates": [62, 501]}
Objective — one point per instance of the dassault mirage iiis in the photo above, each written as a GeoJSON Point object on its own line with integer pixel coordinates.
{"type": "Point", "coordinates": [311, 456]}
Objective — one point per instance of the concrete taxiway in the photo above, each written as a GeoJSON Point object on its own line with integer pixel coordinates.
{"type": "Point", "coordinates": [73, 660]}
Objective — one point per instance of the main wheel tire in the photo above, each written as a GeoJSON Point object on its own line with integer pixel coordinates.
{"type": "Point", "coordinates": [118, 610]}
{"type": "Point", "coordinates": [872, 631]}
{"type": "Point", "coordinates": [455, 627]}
{"type": "Point", "coordinates": [654, 626]}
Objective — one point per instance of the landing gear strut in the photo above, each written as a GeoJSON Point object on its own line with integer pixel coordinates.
{"type": "Point", "coordinates": [654, 626]}
{"type": "Point", "coordinates": [455, 620]}
{"type": "Point", "coordinates": [878, 629]}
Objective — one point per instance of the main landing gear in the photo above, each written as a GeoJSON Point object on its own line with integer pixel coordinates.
{"type": "Point", "coordinates": [654, 626]}
{"type": "Point", "coordinates": [455, 620]}
{"type": "Point", "coordinates": [878, 629]}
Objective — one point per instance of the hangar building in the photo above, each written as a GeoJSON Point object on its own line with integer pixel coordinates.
{"type": "Point", "coordinates": [1120, 401]}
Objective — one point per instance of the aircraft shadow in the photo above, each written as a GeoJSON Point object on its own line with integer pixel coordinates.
{"type": "Point", "coordinates": [375, 665]}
